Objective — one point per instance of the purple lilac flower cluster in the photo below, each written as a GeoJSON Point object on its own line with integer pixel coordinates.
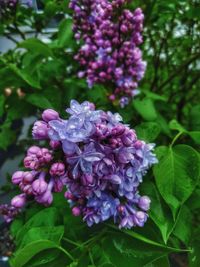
{"type": "Point", "coordinates": [109, 53]}
{"type": "Point", "coordinates": [101, 164]}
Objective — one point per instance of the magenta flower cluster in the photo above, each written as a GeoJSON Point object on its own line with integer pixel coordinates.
{"type": "Point", "coordinates": [109, 54]}
{"type": "Point", "coordinates": [96, 157]}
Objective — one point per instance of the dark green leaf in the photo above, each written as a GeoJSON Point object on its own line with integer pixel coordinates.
{"type": "Point", "coordinates": [159, 212]}
{"type": "Point", "coordinates": [39, 100]}
{"type": "Point", "coordinates": [184, 225]}
{"type": "Point", "coordinates": [145, 108]}
{"type": "Point", "coordinates": [36, 46]}
{"type": "Point", "coordinates": [39, 220]}
{"type": "Point", "coordinates": [26, 76]}
{"type": "Point", "coordinates": [195, 136]}
{"type": "Point", "coordinates": [148, 131]}
{"type": "Point", "coordinates": [176, 177]}
{"type": "Point", "coordinates": [65, 33]}
{"type": "Point", "coordinates": [28, 252]}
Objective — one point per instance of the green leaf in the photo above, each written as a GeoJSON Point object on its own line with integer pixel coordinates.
{"type": "Point", "coordinates": [26, 76]}
{"type": "Point", "coordinates": [155, 96]}
{"type": "Point", "coordinates": [39, 100]}
{"type": "Point", "coordinates": [193, 202]}
{"type": "Point", "coordinates": [52, 233]}
{"type": "Point", "coordinates": [176, 177]}
{"type": "Point", "coordinates": [158, 246]}
{"type": "Point", "coordinates": [184, 225]}
{"type": "Point", "coordinates": [16, 226]}
{"type": "Point", "coordinates": [148, 131]}
{"type": "Point", "coordinates": [65, 33]}
{"type": "Point", "coordinates": [122, 250]}
{"type": "Point", "coordinates": [174, 125]}
{"type": "Point", "coordinates": [18, 111]}
{"type": "Point", "coordinates": [145, 108]}
{"type": "Point", "coordinates": [195, 135]}
{"type": "Point", "coordinates": [46, 258]}
{"type": "Point", "coordinates": [159, 212]}
{"type": "Point", "coordinates": [25, 254]}
{"type": "Point", "coordinates": [163, 124]}
{"type": "Point", "coordinates": [37, 47]}
{"type": "Point", "coordinates": [39, 220]}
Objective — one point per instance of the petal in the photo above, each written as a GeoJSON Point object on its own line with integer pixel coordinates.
{"type": "Point", "coordinates": [86, 167]}
{"type": "Point", "coordinates": [93, 156]}
{"type": "Point", "coordinates": [68, 147]}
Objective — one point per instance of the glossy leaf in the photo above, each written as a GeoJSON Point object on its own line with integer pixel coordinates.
{"type": "Point", "coordinates": [176, 178]}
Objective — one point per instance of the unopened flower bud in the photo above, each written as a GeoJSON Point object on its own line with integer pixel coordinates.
{"type": "Point", "coordinates": [57, 169]}
{"type": "Point", "coordinates": [28, 177]}
{"type": "Point", "coordinates": [34, 150]}
{"type": "Point", "coordinates": [76, 211]}
{"type": "Point", "coordinates": [31, 162]}
{"type": "Point", "coordinates": [17, 177]}
{"type": "Point", "coordinates": [144, 203]}
{"type": "Point", "coordinates": [40, 130]}
{"type": "Point", "coordinates": [39, 185]}
{"type": "Point", "coordinates": [18, 201]}
{"type": "Point", "coordinates": [50, 114]}
{"type": "Point", "coordinates": [54, 144]}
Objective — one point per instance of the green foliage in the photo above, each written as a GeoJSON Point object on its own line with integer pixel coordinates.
{"type": "Point", "coordinates": [175, 178]}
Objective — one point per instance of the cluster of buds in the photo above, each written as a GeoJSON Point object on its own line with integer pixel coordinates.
{"type": "Point", "coordinates": [44, 175]}
{"type": "Point", "coordinates": [101, 164]}
{"type": "Point", "coordinates": [109, 55]}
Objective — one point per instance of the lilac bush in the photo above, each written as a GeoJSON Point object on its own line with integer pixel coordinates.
{"type": "Point", "coordinates": [96, 158]}
{"type": "Point", "coordinates": [109, 54]}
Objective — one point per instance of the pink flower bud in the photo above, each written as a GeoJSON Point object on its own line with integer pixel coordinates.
{"type": "Point", "coordinates": [49, 115]}
{"type": "Point", "coordinates": [46, 199]}
{"type": "Point", "coordinates": [31, 162]}
{"type": "Point", "coordinates": [46, 155]}
{"type": "Point", "coordinates": [128, 138]}
{"type": "Point", "coordinates": [18, 201]}
{"type": "Point", "coordinates": [57, 169]}
{"type": "Point", "coordinates": [17, 177]}
{"type": "Point", "coordinates": [76, 211]}
{"type": "Point", "coordinates": [138, 144]}
{"type": "Point", "coordinates": [40, 186]}
{"type": "Point", "coordinates": [27, 189]}
{"type": "Point", "coordinates": [40, 130]}
{"type": "Point", "coordinates": [58, 185]}
{"type": "Point", "coordinates": [54, 144]}
{"type": "Point", "coordinates": [28, 177]}
{"type": "Point", "coordinates": [34, 150]}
